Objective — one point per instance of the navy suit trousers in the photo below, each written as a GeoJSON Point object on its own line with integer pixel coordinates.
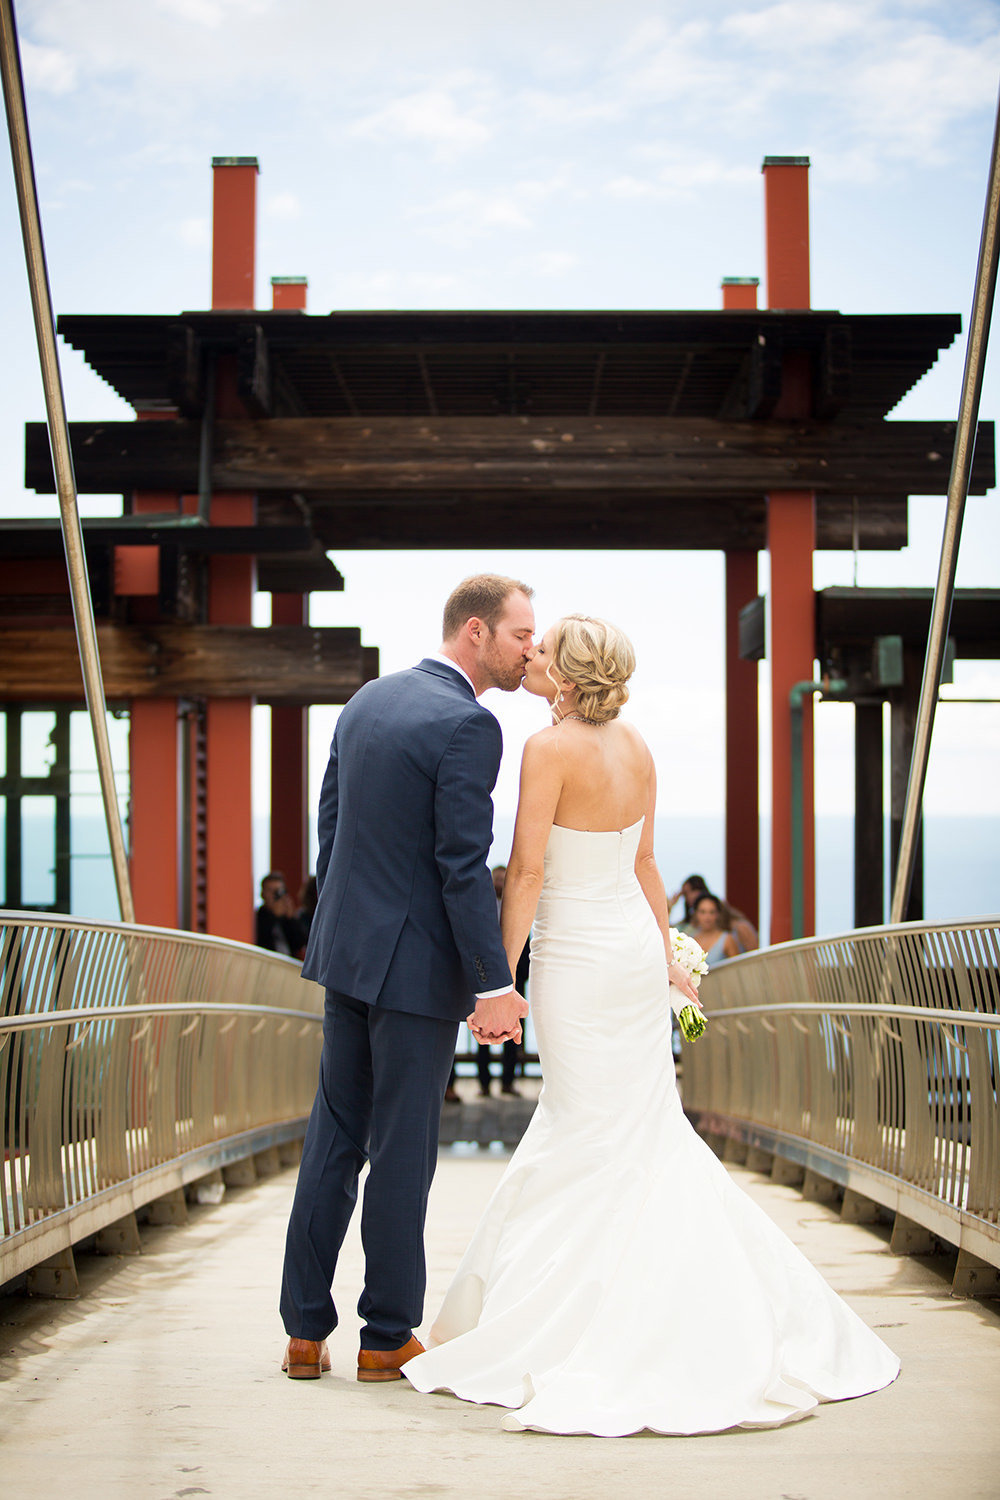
{"type": "Point", "coordinates": [383, 1075]}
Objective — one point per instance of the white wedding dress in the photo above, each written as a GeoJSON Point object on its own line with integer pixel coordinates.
{"type": "Point", "coordinates": [618, 1279]}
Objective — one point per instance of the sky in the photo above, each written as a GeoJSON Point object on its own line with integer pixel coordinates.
{"type": "Point", "coordinates": [557, 154]}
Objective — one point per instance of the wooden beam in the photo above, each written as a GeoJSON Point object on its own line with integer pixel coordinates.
{"type": "Point", "coordinates": [685, 457]}
{"type": "Point", "coordinates": [279, 664]}
{"type": "Point", "coordinates": [715, 523]}
{"type": "Point", "coordinates": [851, 616]}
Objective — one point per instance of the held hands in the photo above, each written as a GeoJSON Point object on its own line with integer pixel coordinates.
{"type": "Point", "coordinates": [499, 1019]}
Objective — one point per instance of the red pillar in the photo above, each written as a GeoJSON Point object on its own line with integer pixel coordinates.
{"type": "Point", "coordinates": [290, 725]}
{"type": "Point", "coordinates": [154, 760]}
{"type": "Point", "coordinates": [742, 728]}
{"type": "Point", "coordinates": [289, 766]}
{"type": "Point", "coordinates": [288, 293]}
{"type": "Point", "coordinates": [154, 744]}
{"type": "Point", "coordinates": [234, 230]}
{"type": "Point", "coordinates": [791, 540]}
{"type": "Point", "coordinates": [739, 293]}
{"type": "Point", "coordinates": [229, 897]}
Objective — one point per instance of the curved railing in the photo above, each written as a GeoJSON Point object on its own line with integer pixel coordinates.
{"type": "Point", "coordinates": [870, 1061]}
{"type": "Point", "coordinates": [134, 1061]}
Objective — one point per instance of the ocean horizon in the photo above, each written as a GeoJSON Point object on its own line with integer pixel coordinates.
{"type": "Point", "coordinates": [961, 865]}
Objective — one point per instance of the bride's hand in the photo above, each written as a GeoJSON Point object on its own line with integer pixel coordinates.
{"type": "Point", "coordinates": [681, 979]}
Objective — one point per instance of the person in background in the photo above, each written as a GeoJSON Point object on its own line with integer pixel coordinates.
{"type": "Point", "coordinates": [710, 929]}
{"type": "Point", "coordinates": [691, 887]}
{"type": "Point", "coordinates": [276, 927]}
{"type": "Point", "coordinates": [740, 925]}
{"type": "Point", "coordinates": [742, 929]}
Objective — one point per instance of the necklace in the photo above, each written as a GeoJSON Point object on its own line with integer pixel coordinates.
{"type": "Point", "coordinates": [582, 718]}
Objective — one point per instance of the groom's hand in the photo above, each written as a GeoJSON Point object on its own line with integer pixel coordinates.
{"type": "Point", "coordinates": [498, 1019]}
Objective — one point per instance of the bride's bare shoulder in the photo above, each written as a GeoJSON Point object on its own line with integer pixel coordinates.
{"type": "Point", "coordinates": [542, 742]}
{"type": "Point", "coordinates": [632, 735]}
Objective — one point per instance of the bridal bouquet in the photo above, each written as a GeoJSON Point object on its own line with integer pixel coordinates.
{"type": "Point", "coordinates": [689, 953]}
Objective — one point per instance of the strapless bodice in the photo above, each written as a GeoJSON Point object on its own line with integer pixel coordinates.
{"type": "Point", "coordinates": [589, 864]}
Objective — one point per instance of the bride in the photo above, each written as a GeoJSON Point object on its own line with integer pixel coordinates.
{"type": "Point", "coordinates": [618, 1279]}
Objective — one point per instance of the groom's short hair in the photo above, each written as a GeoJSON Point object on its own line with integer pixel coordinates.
{"type": "Point", "coordinates": [482, 597]}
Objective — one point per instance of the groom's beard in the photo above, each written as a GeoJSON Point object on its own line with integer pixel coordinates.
{"type": "Point", "coordinates": [505, 675]}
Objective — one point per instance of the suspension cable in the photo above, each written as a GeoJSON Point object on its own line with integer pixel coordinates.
{"type": "Point", "coordinates": [62, 458]}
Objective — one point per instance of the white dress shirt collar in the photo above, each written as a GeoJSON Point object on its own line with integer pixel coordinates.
{"type": "Point", "coordinates": [435, 656]}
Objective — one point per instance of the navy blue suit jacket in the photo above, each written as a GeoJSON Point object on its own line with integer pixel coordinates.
{"type": "Point", "coordinates": [406, 916]}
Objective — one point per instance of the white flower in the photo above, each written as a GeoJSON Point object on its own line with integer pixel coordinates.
{"type": "Point", "coordinates": [689, 953]}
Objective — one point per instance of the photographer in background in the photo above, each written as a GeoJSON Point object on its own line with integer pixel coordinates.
{"type": "Point", "coordinates": [276, 926]}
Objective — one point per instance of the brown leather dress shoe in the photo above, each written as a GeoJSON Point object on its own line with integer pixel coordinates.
{"type": "Point", "coordinates": [385, 1364]}
{"type": "Point", "coordinates": [305, 1359]}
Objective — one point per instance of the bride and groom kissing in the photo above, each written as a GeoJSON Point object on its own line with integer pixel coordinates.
{"type": "Point", "coordinates": [618, 1280]}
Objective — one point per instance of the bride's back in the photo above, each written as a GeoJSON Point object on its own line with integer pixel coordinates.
{"type": "Point", "coordinates": [606, 775]}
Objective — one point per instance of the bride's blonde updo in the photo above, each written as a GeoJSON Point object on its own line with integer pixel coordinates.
{"type": "Point", "coordinates": [599, 660]}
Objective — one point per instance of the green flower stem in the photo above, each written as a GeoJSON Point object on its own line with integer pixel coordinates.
{"type": "Point", "coordinates": [692, 1023]}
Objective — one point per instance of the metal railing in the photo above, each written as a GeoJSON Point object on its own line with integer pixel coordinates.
{"type": "Point", "coordinates": [870, 1061]}
{"type": "Point", "coordinates": [132, 1062]}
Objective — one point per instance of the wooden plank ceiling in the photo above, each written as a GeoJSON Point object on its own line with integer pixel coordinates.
{"type": "Point", "coordinates": [527, 429]}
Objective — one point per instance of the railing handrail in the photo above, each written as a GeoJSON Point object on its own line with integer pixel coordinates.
{"type": "Point", "coordinates": [87, 1014]}
{"type": "Point", "coordinates": [12, 918]}
{"type": "Point", "coordinates": [851, 934]}
{"type": "Point", "coordinates": [871, 1060]}
{"type": "Point", "coordinates": [135, 1060]}
{"type": "Point", "coordinates": [943, 1015]}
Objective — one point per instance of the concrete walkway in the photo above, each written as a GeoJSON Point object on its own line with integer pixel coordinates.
{"type": "Point", "coordinates": [162, 1381]}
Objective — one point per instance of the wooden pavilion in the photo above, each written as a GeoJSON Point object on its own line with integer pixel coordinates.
{"type": "Point", "coordinates": [265, 439]}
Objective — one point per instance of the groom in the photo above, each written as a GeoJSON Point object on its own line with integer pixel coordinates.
{"type": "Point", "coordinates": [404, 938]}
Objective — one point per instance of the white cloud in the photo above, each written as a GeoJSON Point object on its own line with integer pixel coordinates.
{"type": "Point", "coordinates": [909, 99]}
{"type": "Point", "coordinates": [802, 23]}
{"type": "Point", "coordinates": [194, 232]}
{"type": "Point", "coordinates": [392, 288]}
{"type": "Point", "coordinates": [283, 206]}
{"type": "Point", "coordinates": [560, 110]}
{"type": "Point", "coordinates": [429, 116]}
{"type": "Point", "coordinates": [211, 13]}
{"type": "Point", "coordinates": [679, 175]}
{"type": "Point", "coordinates": [48, 69]}
{"type": "Point", "coordinates": [466, 215]}
{"type": "Point", "coordinates": [547, 263]}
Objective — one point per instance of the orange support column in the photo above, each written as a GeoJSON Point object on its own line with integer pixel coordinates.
{"type": "Point", "coordinates": [229, 896]}
{"type": "Point", "coordinates": [288, 293]}
{"type": "Point", "coordinates": [791, 540]}
{"type": "Point", "coordinates": [154, 761]}
{"type": "Point", "coordinates": [154, 742]}
{"type": "Point", "coordinates": [290, 725]}
{"type": "Point", "coordinates": [234, 230]}
{"type": "Point", "coordinates": [289, 769]}
{"type": "Point", "coordinates": [742, 739]}
{"type": "Point", "coordinates": [742, 727]}
{"type": "Point", "coordinates": [739, 293]}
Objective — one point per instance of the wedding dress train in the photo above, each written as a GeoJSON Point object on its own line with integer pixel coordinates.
{"type": "Point", "coordinates": [619, 1280]}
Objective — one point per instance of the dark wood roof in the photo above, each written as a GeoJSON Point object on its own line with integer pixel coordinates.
{"type": "Point", "coordinates": [366, 375]}
{"type": "Point", "coordinates": [682, 364]}
{"type": "Point", "coordinates": [850, 617]}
